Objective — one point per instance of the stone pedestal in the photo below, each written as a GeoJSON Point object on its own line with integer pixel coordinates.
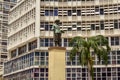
{"type": "Point", "coordinates": [56, 65]}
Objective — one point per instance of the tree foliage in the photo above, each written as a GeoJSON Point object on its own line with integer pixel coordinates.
{"type": "Point", "coordinates": [84, 46]}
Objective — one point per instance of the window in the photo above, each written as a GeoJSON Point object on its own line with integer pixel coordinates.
{"type": "Point", "coordinates": [55, 12]}
{"type": "Point", "coordinates": [4, 43]}
{"type": "Point", "coordinates": [101, 11]}
{"type": "Point", "coordinates": [69, 12]}
{"type": "Point", "coordinates": [115, 41]}
{"type": "Point", "coordinates": [92, 26]}
{"type": "Point", "coordinates": [116, 24]}
{"type": "Point", "coordinates": [13, 53]}
{"type": "Point", "coordinates": [13, 0]}
{"type": "Point", "coordinates": [36, 74]}
{"type": "Point", "coordinates": [3, 56]}
{"type": "Point", "coordinates": [66, 42]}
{"type": "Point", "coordinates": [78, 28]}
{"type": "Point", "coordinates": [46, 26]}
{"type": "Point", "coordinates": [69, 29]}
{"type": "Point", "coordinates": [78, 12]}
{"type": "Point", "coordinates": [118, 8]}
{"type": "Point", "coordinates": [97, 27]}
{"type": "Point", "coordinates": [74, 11]}
{"type": "Point", "coordinates": [96, 9]}
{"type": "Point", "coordinates": [46, 42]}
{"type": "Point", "coordinates": [102, 25]}
{"type": "Point", "coordinates": [22, 49]}
{"type": "Point", "coordinates": [46, 13]}
{"type": "Point", "coordinates": [33, 45]}
{"type": "Point", "coordinates": [74, 26]}
{"type": "Point", "coordinates": [7, 0]}
{"type": "Point", "coordinates": [51, 12]}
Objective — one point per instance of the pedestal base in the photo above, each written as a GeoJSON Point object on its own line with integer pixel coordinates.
{"type": "Point", "coordinates": [56, 65]}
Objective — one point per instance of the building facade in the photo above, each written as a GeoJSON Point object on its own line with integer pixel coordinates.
{"type": "Point", "coordinates": [5, 6]}
{"type": "Point", "coordinates": [30, 36]}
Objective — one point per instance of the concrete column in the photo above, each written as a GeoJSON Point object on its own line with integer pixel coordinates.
{"type": "Point", "coordinates": [56, 65]}
{"type": "Point", "coordinates": [37, 20]}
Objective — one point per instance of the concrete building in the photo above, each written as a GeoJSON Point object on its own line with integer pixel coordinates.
{"type": "Point", "coordinates": [30, 36]}
{"type": "Point", "coordinates": [5, 6]}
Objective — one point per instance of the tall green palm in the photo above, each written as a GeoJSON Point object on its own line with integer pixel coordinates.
{"type": "Point", "coordinates": [83, 47]}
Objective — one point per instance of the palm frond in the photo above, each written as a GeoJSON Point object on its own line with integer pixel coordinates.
{"type": "Point", "coordinates": [76, 41]}
{"type": "Point", "coordinates": [73, 53]}
{"type": "Point", "coordinates": [83, 56]}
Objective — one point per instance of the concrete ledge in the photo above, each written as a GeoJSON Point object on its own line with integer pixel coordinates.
{"type": "Point", "coordinates": [60, 48]}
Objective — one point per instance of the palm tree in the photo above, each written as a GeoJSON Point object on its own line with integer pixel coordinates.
{"type": "Point", "coordinates": [83, 47]}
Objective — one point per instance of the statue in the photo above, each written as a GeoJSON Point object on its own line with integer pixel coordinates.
{"type": "Point", "coordinates": [57, 32]}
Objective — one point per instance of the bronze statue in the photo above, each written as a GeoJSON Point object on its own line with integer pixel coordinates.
{"type": "Point", "coordinates": [57, 32]}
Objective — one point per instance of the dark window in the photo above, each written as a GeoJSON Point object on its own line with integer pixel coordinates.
{"type": "Point", "coordinates": [42, 79]}
{"type": "Point", "coordinates": [42, 75]}
{"type": "Point", "coordinates": [116, 40]}
{"type": "Point", "coordinates": [108, 74]}
{"type": "Point", "coordinates": [3, 56]}
{"type": "Point", "coordinates": [116, 24]}
{"type": "Point", "coordinates": [78, 12]}
{"type": "Point", "coordinates": [102, 25]}
{"type": "Point", "coordinates": [69, 12]}
{"type": "Point", "coordinates": [98, 69]}
{"type": "Point", "coordinates": [103, 74]}
{"type": "Point", "coordinates": [73, 75]}
{"type": "Point", "coordinates": [101, 11]}
{"type": "Point", "coordinates": [22, 49]}
{"type": "Point", "coordinates": [4, 43]}
{"type": "Point", "coordinates": [78, 28]}
{"type": "Point", "coordinates": [51, 13]}
{"type": "Point", "coordinates": [6, 12]}
{"type": "Point", "coordinates": [92, 26]}
{"type": "Point", "coordinates": [69, 29]}
{"type": "Point", "coordinates": [36, 74]}
{"type": "Point", "coordinates": [56, 12]}
{"type": "Point", "coordinates": [46, 27]}
{"type": "Point", "coordinates": [13, 53]}
{"type": "Point", "coordinates": [33, 45]}
{"type": "Point", "coordinates": [42, 54]}
{"type": "Point", "coordinates": [68, 75]}
{"type": "Point", "coordinates": [74, 26]}
{"type": "Point", "coordinates": [118, 8]}
{"type": "Point", "coordinates": [96, 9]}
{"type": "Point", "coordinates": [83, 70]}
{"type": "Point", "coordinates": [7, 0]}
{"type": "Point", "coordinates": [46, 42]}
{"type": "Point", "coordinates": [42, 70]}
{"type": "Point", "coordinates": [46, 13]}
{"type": "Point", "coordinates": [108, 69]}
{"type": "Point", "coordinates": [11, 6]}
{"type": "Point", "coordinates": [118, 52]}
{"type": "Point", "coordinates": [112, 40]}
{"type": "Point", "coordinates": [83, 74]}
{"type": "Point", "coordinates": [97, 28]}
{"type": "Point", "coordinates": [68, 69]}
{"type": "Point", "coordinates": [74, 11]}
{"type": "Point", "coordinates": [37, 53]}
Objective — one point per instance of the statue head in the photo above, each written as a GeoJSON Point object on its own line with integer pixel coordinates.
{"type": "Point", "coordinates": [57, 22]}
